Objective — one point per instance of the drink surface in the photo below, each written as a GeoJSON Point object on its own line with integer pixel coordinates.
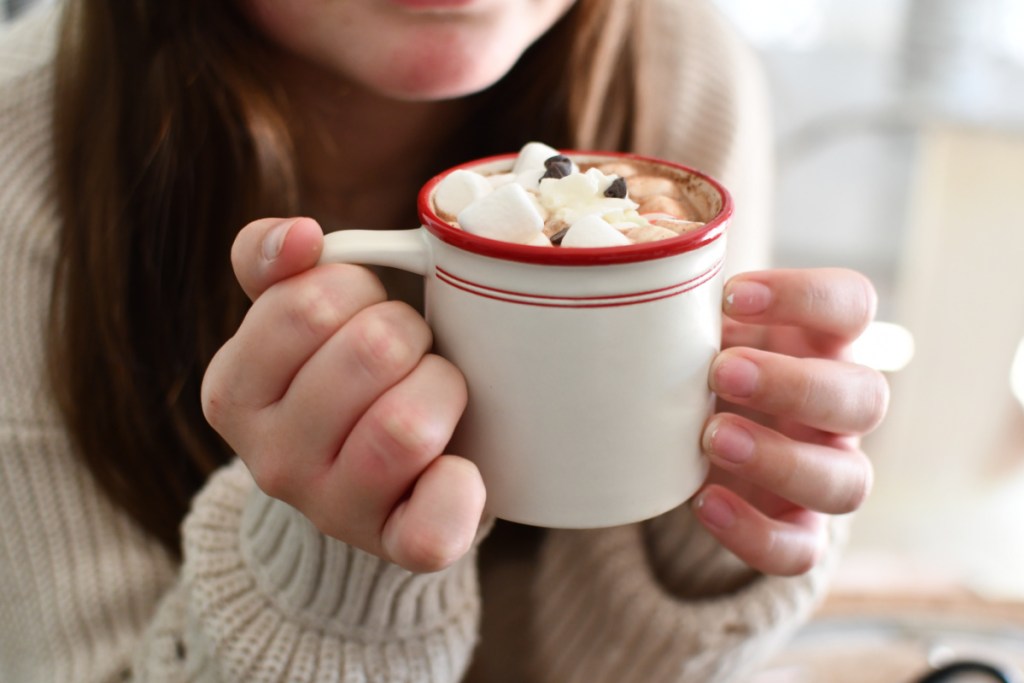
{"type": "Point", "coordinates": [546, 199]}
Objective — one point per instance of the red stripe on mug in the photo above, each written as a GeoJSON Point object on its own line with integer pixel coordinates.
{"type": "Point", "coordinates": [548, 301]}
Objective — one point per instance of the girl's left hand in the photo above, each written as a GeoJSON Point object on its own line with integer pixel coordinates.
{"type": "Point", "coordinates": [785, 446]}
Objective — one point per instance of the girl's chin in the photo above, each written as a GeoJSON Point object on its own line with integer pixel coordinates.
{"type": "Point", "coordinates": [428, 79]}
{"type": "Point", "coordinates": [434, 90]}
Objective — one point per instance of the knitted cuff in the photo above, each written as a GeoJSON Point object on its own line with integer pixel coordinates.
{"type": "Point", "coordinates": [603, 615]}
{"type": "Point", "coordinates": [277, 600]}
{"type": "Point", "coordinates": [688, 561]}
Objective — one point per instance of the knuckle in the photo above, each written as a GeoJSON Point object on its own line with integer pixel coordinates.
{"type": "Point", "coordinates": [314, 308]}
{"type": "Point", "coordinates": [786, 552]}
{"type": "Point", "coordinates": [849, 491]}
{"type": "Point", "coordinates": [219, 404]}
{"type": "Point", "coordinates": [861, 489]}
{"type": "Point", "coordinates": [803, 561]}
{"type": "Point", "coordinates": [428, 552]}
{"type": "Point", "coordinates": [272, 475]}
{"type": "Point", "coordinates": [876, 399]}
{"type": "Point", "coordinates": [214, 402]}
{"type": "Point", "coordinates": [868, 298]}
{"type": "Point", "coordinates": [881, 402]}
{"type": "Point", "coordinates": [383, 343]}
{"type": "Point", "coordinates": [404, 428]}
{"type": "Point", "coordinates": [326, 523]}
{"type": "Point", "coordinates": [794, 556]}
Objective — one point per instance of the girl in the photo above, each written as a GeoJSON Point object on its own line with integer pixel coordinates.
{"type": "Point", "coordinates": [141, 544]}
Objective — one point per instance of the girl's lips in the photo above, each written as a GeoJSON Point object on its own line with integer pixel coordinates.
{"type": "Point", "coordinates": [431, 5]}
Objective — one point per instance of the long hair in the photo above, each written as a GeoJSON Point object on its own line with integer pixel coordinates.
{"type": "Point", "coordinates": [169, 137]}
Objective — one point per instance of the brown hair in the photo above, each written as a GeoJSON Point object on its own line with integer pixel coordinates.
{"type": "Point", "coordinates": [168, 138]}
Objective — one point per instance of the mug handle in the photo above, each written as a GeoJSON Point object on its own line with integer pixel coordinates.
{"type": "Point", "coordinates": [405, 249]}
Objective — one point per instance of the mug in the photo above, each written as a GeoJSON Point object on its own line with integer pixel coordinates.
{"type": "Point", "coordinates": [587, 368]}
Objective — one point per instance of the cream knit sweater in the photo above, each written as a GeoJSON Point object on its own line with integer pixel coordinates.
{"type": "Point", "coordinates": [86, 597]}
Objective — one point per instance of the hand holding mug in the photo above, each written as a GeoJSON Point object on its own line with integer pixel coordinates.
{"type": "Point", "coordinates": [329, 394]}
{"type": "Point", "coordinates": [785, 450]}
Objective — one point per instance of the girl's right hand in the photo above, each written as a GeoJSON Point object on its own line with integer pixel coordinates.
{"type": "Point", "coordinates": [330, 396]}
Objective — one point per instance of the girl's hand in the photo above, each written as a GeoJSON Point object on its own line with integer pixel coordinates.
{"type": "Point", "coordinates": [785, 448]}
{"type": "Point", "coordinates": [328, 393]}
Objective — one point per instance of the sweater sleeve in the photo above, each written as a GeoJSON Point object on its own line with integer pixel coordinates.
{"type": "Point", "coordinates": [659, 602]}
{"type": "Point", "coordinates": [264, 596]}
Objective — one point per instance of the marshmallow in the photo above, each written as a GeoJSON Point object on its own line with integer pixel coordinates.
{"type": "Point", "coordinates": [457, 190]}
{"type": "Point", "coordinates": [676, 225]}
{"type": "Point", "coordinates": [499, 179]}
{"type": "Point", "coordinates": [648, 233]}
{"type": "Point", "coordinates": [623, 170]}
{"type": "Point", "coordinates": [530, 178]}
{"type": "Point", "coordinates": [580, 194]}
{"type": "Point", "coordinates": [532, 156]}
{"type": "Point", "coordinates": [649, 185]}
{"type": "Point", "coordinates": [508, 213]}
{"type": "Point", "coordinates": [592, 231]}
{"type": "Point", "coordinates": [663, 204]}
{"type": "Point", "coordinates": [601, 181]}
{"type": "Point", "coordinates": [541, 240]}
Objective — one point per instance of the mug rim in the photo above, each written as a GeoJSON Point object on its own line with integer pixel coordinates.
{"type": "Point", "coordinates": [576, 256]}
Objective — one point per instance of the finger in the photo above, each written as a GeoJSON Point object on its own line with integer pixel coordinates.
{"type": "Point", "coordinates": [833, 305]}
{"type": "Point", "coordinates": [378, 348]}
{"type": "Point", "coordinates": [787, 545]}
{"type": "Point", "coordinates": [269, 250]}
{"type": "Point", "coordinates": [389, 448]}
{"type": "Point", "coordinates": [830, 395]}
{"type": "Point", "coordinates": [830, 480]}
{"type": "Point", "coordinates": [741, 334]}
{"type": "Point", "coordinates": [437, 524]}
{"type": "Point", "coordinates": [280, 332]}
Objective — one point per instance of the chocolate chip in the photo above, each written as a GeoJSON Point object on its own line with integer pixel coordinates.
{"type": "Point", "coordinates": [557, 166]}
{"type": "Point", "coordinates": [556, 239]}
{"type": "Point", "coordinates": [617, 189]}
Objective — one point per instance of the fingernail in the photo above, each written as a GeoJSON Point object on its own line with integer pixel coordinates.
{"type": "Point", "coordinates": [274, 240]}
{"type": "Point", "coordinates": [715, 512]}
{"type": "Point", "coordinates": [745, 297]}
{"type": "Point", "coordinates": [729, 442]}
{"type": "Point", "coordinates": [734, 376]}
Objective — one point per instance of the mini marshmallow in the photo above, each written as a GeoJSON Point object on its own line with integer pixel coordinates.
{"type": "Point", "coordinates": [508, 213]}
{"type": "Point", "coordinates": [630, 218]}
{"type": "Point", "coordinates": [541, 240]}
{"type": "Point", "coordinates": [662, 204]}
{"type": "Point", "coordinates": [648, 233]}
{"type": "Point", "coordinates": [623, 170]}
{"type": "Point", "coordinates": [530, 178]}
{"type": "Point", "coordinates": [601, 181]}
{"type": "Point", "coordinates": [592, 231]}
{"type": "Point", "coordinates": [457, 190]}
{"type": "Point", "coordinates": [676, 225]}
{"type": "Point", "coordinates": [499, 179]}
{"type": "Point", "coordinates": [532, 156]}
{"type": "Point", "coordinates": [578, 195]}
{"type": "Point", "coordinates": [649, 185]}
{"type": "Point", "coordinates": [572, 190]}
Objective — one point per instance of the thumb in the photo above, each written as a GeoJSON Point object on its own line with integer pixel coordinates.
{"type": "Point", "coordinates": [269, 250]}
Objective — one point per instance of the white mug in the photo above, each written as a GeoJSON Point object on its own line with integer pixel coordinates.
{"type": "Point", "coordinates": [587, 368]}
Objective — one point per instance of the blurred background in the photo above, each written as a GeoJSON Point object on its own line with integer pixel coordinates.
{"type": "Point", "coordinates": [900, 128]}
